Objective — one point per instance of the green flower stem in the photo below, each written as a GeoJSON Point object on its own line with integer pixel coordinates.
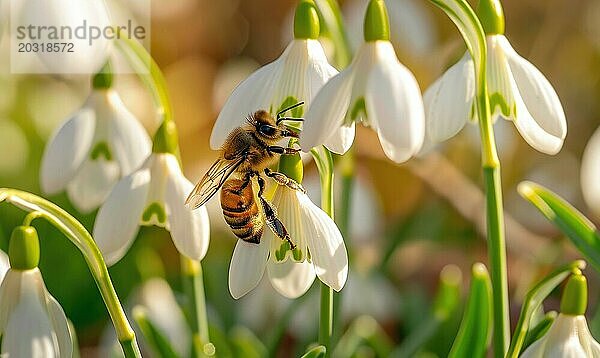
{"type": "Point", "coordinates": [79, 236]}
{"type": "Point", "coordinates": [194, 286]}
{"type": "Point", "coordinates": [324, 162]}
{"type": "Point", "coordinates": [461, 13]}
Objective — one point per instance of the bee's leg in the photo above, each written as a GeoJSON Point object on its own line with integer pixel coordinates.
{"type": "Point", "coordinates": [283, 179]}
{"type": "Point", "coordinates": [282, 150]}
{"type": "Point", "coordinates": [271, 216]}
{"type": "Point", "coordinates": [247, 181]}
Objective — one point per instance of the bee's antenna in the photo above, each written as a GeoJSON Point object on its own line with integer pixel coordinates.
{"type": "Point", "coordinates": [287, 109]}
{"type": "Point", "coordinates": [294, 119]}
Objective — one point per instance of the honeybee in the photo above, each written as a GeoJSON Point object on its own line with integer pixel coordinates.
{"type": "Point", "coordinates": [248, 151]}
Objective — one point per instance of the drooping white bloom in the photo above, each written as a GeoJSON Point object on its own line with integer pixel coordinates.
{"type": "Point", "coordinates": [32, 323]}
{"type": "Point", "coordinates": [319, 251]}
{"type": "Point", "coordinates": [152, 195]}
{"type": "Point", "coordinates": [90, 51]}
{"type": "Point", "coordinates": [295, 76]}
{"type": "Point", "coordinates": [590, 172]}
{"type": "Point", "coordinates": [92, 150]}
{"type": "Point", "coordinates": [377, 90]}
{"type": "Point", "coordinates": [568, 337]}
{"type": "Point", "coordinates": [518, 92]}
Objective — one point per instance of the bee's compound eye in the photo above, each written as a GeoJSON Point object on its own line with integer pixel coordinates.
{"type": "Point", "coordinates": [267, 130]}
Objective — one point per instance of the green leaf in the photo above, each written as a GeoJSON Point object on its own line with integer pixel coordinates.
{"type": "Point", "coordinates": [474, 335]}
{"type": "Point", "coordinates": [332, 27]}
{"type": "Point", "coordinates": [534, 298]}
{"type": "Point", "coordinates": [159, 343]}
{"type": "Point", "coordinates": [537, 331]}
{"type": "Point", "coordinates": [579, 229]}
{"type": "Point", "coordinates": [316, 352]}
{"type": "Point", "coordinates": [445, 303]}
{"type": "Point", "coordinates": [246, 343]}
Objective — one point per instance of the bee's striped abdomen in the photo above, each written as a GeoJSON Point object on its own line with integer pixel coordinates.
{"type": "Point", "coordinates": [240, 210]}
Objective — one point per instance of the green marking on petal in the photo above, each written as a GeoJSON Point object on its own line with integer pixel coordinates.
{"type": "Point", "coordinates": [297, 254]}
{"type": "Point", "coordinates": [358, 108]}
{"type": "Point", "coordinates": [473, 113]}
{"type": "Point", "coordinates": [282, 252]}
{"type": "Point", "coordinates": [155, 209]}
{"type": "Point", "coordinates": [101, 149]}
{"type": "Point", "coordinates": [497, 100]}
{"type": "Point", "coordinates": [297, 112]}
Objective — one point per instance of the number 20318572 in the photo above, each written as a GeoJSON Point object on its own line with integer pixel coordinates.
{"type": "Point", "coordinates": [46, 47]}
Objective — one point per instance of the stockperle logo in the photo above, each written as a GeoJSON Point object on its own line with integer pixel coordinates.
{"type": "Point", "coordinates": [71, 36]}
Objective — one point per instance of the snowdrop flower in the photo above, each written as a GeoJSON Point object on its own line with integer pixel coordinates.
{"type": "Point", "coordinates": [518, 92]}
{"type": "Point", "coordinates": [375, 89]}
{"type": "Point", "coordinates": [32, 323]}
{"type": "Point", "coordinates": [319, 248]}
{"type": "Point", "coordinates": [569, 335]}
{"type": "Point", "coordinates": [295, 76]}
{"type": "Point", "coordinates": [152, 195]}
{"type": "Point", "coordinates": [88, 56]}
{"type": "Point", "coordinates": [590, 172]}
{"type": "Point", "coordinates": [93, 149]}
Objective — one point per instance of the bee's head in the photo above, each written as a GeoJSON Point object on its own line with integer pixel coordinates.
{"type": "Point", "coordinates": [273, 130]}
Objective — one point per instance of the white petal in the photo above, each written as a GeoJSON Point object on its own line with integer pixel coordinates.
{"type": "Point", "coordinates": [118, 219]}
{"type": "Point", "coordinates": [66, 150]}
{"type": "Point", "coordinates": [252, 94]}
{"type": "Point", "coordinates": [501, 89]}
{"type": "Point", "coordinates": [289, 278]}
{"type": "Point", "coordinates": [60, 325]}
{"type": "Point", "coordinates": [590, 173]}
{"type": "Point", "coordinates": [341, 140]}
{"type": "Point", "coordinates": [537, 93]}
{"type": "Point", "coordinates": [325, 243]}
{"type": "Point", "coordinates": [190, 229]}
{"type": "Point", "coordinates": [395, 110]}
{"type": "Point", "coordinates": [326, 113]}
{"type": "Point", "coordinates": [9, 296]}
{"type": "Point", "coordinates": [127, 137]}
{"type": "Point", "coordinates": [533, 134]}
{"type": "Point", "coordinates": [4, 264]}
{"type": "Point", "coordinates": [29, 330]}
{"type": "Point", "coordinates": [247, 266]}
{"type": "Point", "coordinates": [304, 71]}
{"type": "Point", "coordinates": [449, 100]}
{"type": "Point", "coordinates": [92, 183]}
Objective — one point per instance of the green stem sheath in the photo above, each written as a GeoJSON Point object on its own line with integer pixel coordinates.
{"type": "Point", "coordinates": [191, 271]}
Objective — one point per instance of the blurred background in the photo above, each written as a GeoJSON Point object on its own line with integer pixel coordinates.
{"type": "Point", "coordinates": [408, 221]}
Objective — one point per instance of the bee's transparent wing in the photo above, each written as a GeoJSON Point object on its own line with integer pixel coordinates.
{"type": "Point", "coordinates": [212, 181]}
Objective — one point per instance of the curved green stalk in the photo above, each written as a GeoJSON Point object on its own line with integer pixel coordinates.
{"type": "Point", "coordinates": [149, 72]}
{"type": "Point", "coordinates": [470, 28]}
{"type": "Point", "coordinates": [324, 163]}
{"type": "Point", "coordinates": [79, 236]}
